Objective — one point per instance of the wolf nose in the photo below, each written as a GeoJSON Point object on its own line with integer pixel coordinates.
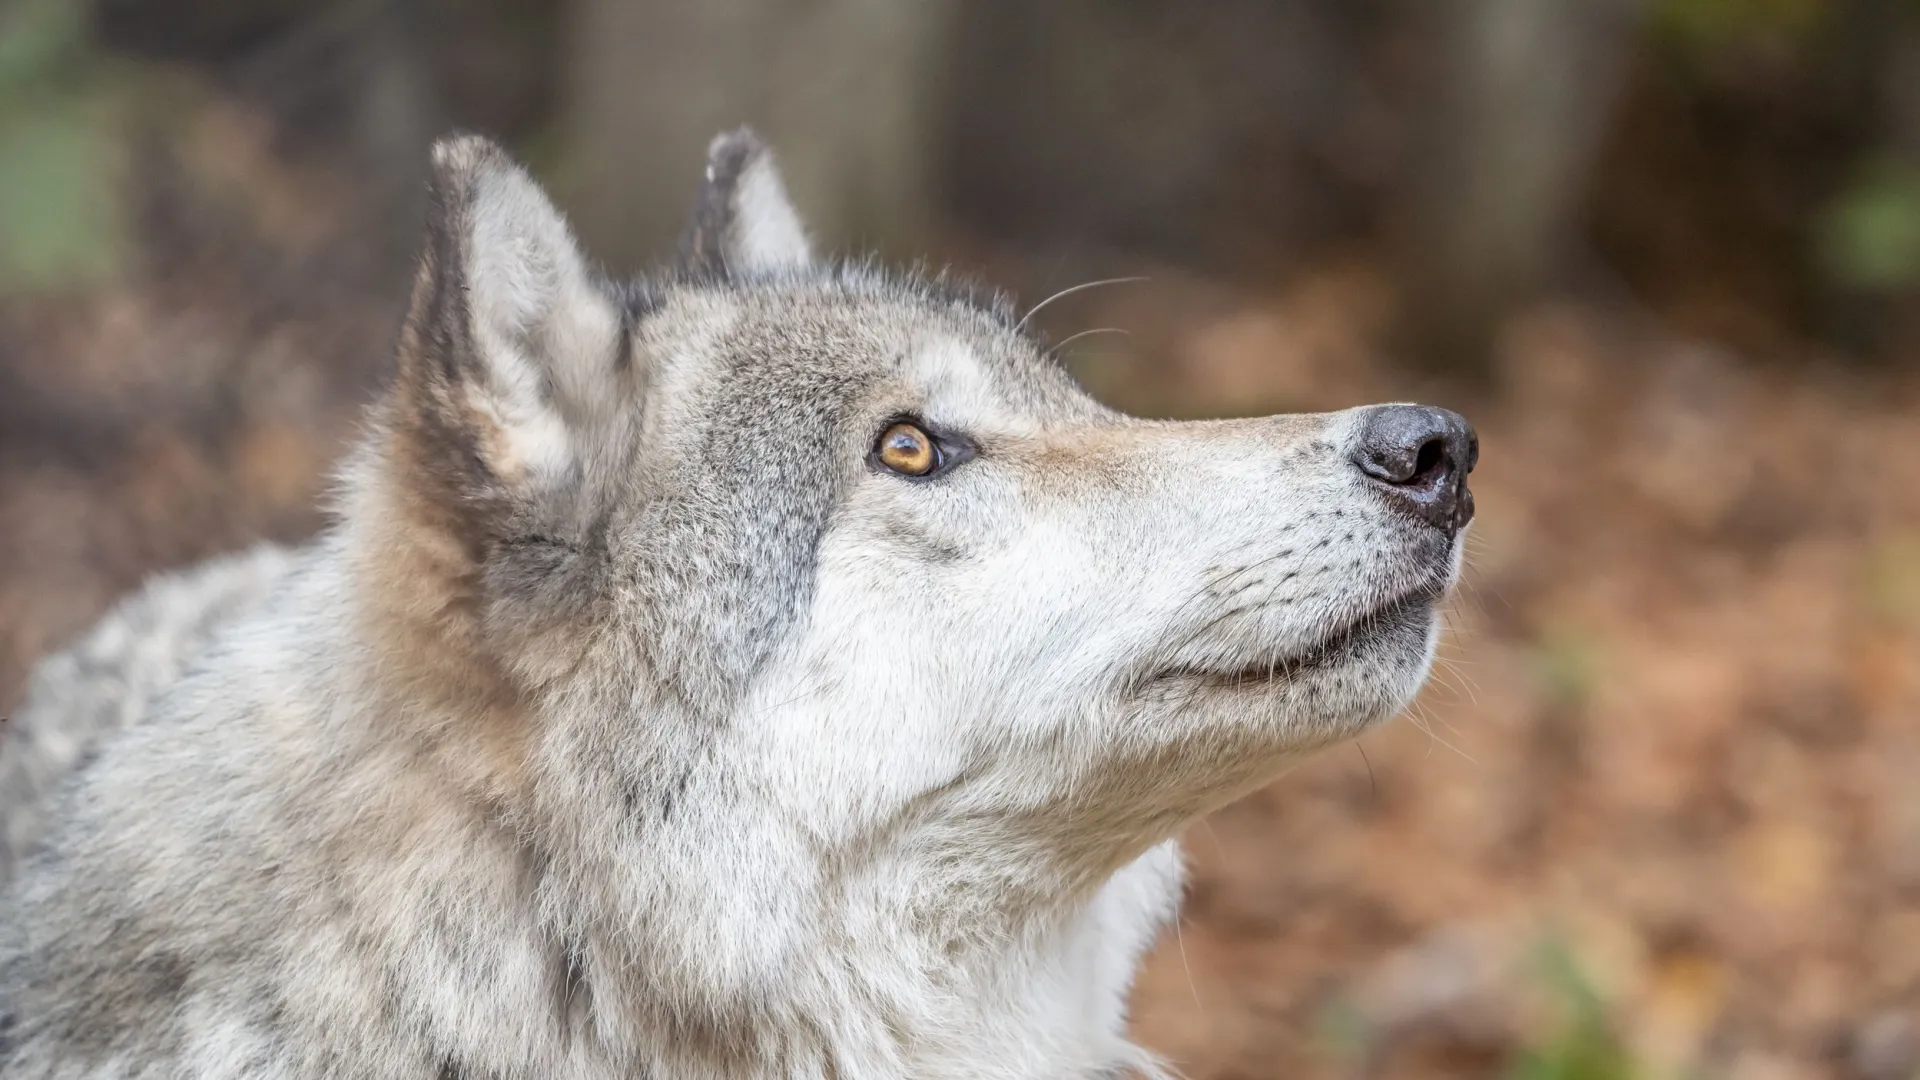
{"type": "Point", "coordinates": [1420, 456]}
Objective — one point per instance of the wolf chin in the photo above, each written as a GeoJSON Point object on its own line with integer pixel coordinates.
{"type": "Point", "coordinates": [770, 669]}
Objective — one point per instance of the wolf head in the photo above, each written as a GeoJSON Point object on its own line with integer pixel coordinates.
{"type": "Point", "coordinates": [772, 547]}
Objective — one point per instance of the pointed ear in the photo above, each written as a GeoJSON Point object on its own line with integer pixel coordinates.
{"type": "Point", "coordinates": [512, 354]}
{"type": "Point", "coordinates": [743, 222]}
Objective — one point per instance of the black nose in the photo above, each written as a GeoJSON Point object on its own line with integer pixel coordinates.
{"type": "Point", "coordinates": [1419, 457]}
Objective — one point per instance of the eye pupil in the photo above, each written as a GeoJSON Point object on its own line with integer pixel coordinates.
{"type": "Point", "coordinates": [906, 449]}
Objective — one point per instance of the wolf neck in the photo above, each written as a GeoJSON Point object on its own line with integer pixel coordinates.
{"type": "Point", "coordinates": [805, 970]}
{"type": "Point", "coordinates": [727, 939]}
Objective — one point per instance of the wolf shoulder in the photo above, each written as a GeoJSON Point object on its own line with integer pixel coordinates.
{"type": "Point", "coordinates": [108, 679]}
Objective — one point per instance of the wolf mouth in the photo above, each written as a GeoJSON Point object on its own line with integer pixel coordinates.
{"type": "Point", "coordinates": [1376, 623]}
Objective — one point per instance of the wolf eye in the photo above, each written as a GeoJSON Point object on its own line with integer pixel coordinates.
{"type": "Point", "coordinates": [908, 450]}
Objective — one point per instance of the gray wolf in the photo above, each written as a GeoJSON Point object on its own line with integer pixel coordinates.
{"type": "Point", "coordinates": [776, 668]}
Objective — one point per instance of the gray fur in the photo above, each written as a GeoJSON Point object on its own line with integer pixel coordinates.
{"type": "Point", "coordinates": [107, 680]}
{"type": "Point", "coordinates": [632, 722]}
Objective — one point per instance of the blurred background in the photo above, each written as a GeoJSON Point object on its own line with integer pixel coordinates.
{"type": "Point", "coordinates": [1659, 814]}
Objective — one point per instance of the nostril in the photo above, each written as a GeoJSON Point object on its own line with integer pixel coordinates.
{"type": "Point", "coordinates": [1429, 462]}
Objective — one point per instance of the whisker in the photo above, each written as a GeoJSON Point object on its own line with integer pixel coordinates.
{"type": "Point", "coordinates": [1466, 684]}
{"type": "Point", "coordinates": [1230, 613]}
{"type": "Point", "coordinates": [1071, 338]}
{"type": "Point", "coordinates": [1459, 687]}
{"type": "Point", "coordinates": [1180, 939]}
{"type": "Point", "coordinates": [1206, 826]}
{"type": "Point", "coordinates": [1035, 309]}
{"type": "Point", "coordinates": [1418, 715]}
{"type": "Point", "coordinates": [1215, 589]}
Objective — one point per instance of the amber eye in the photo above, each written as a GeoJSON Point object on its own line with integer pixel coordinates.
{"type": "Point", "coordinates": [907, 450]}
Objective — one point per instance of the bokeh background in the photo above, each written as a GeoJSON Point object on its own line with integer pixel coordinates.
{"type": "Point", "coordinates": [1659, 814]}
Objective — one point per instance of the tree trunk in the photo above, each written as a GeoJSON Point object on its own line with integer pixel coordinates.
{"type": "Point", "coordinates": [1522, 92]}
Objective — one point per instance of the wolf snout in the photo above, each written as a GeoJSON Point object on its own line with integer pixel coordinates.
{"type": "Point", "coordinates": [1419, 457]}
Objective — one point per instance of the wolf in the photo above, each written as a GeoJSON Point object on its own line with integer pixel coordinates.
{"type": "Point", "coordinates": [776, 667]}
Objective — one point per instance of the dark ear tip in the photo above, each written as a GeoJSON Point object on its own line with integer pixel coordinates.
{"type": "Point", "coordinates": [731, 152]}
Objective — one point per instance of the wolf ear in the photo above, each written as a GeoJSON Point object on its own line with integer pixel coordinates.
{"type": "Point", "coordinates": [511, 351]}
{"type": "Point", "coordinates": [743, 222]}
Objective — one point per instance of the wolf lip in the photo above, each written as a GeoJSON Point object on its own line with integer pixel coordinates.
{"type": "Point", "coordinates": [1353, 633]}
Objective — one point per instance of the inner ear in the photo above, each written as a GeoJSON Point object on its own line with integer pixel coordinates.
{"type": "Point", "coordinates": [511, 343]}
{"type": "Point", "coordinates": [743, 222]}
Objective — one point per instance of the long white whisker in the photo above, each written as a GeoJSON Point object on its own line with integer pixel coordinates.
{"type": "Point", "coordinates": [1180, 939]}
{"type": "Point", "coordinates": [1069, 291]}
{"type": "Point", "coordinates": [1071, 338]}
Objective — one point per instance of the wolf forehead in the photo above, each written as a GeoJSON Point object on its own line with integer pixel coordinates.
{"type": "Point", "coordinates": [850, 331]}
